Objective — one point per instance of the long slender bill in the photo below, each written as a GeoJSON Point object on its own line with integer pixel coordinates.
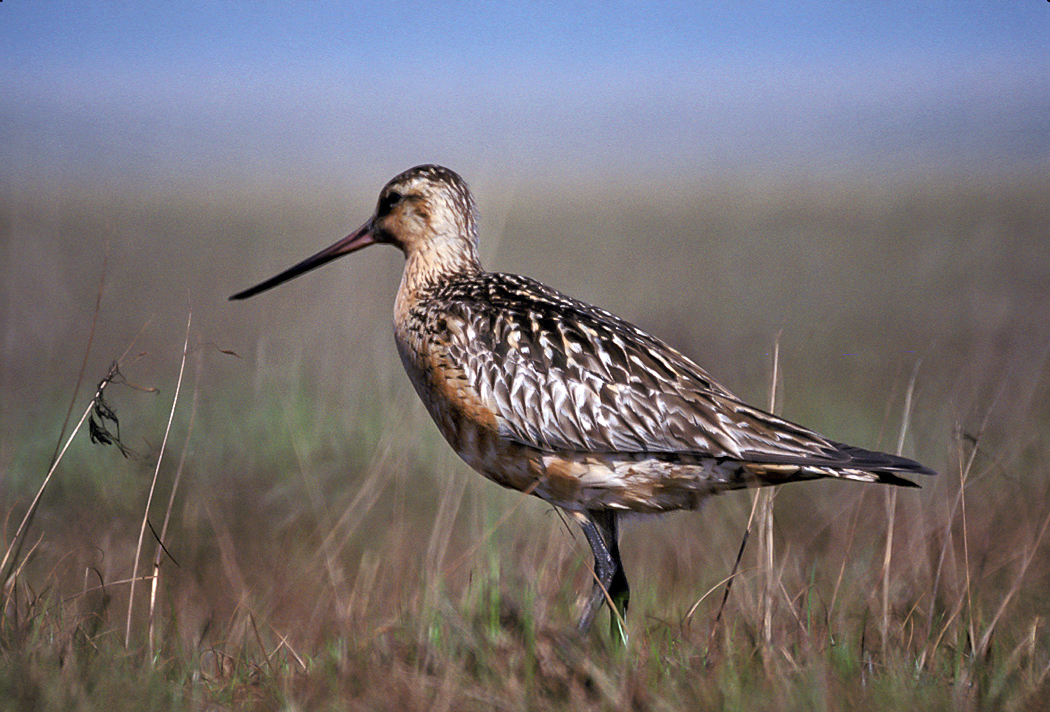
{"type": "Point", "coordinates": [362, 237]}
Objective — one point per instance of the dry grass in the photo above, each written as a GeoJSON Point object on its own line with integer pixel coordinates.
{"type": "Point", "coordinates": [324, 550]}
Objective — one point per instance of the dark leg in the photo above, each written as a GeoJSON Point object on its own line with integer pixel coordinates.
{"type": "Point", "coordinates": [600, 528]}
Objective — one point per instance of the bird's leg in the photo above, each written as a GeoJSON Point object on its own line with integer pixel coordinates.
{"type": "Point", "coordinates": [600, 528]}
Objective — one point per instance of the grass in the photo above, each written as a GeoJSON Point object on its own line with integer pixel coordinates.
{"type": "Point", "coordinates": [325, 550]}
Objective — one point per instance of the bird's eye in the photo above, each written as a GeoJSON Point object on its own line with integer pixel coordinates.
{"type": "Point", "coordinates": [389, 201]}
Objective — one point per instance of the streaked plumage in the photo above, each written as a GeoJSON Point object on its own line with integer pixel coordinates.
{"type": "Point", "coordinates": [546, 394]}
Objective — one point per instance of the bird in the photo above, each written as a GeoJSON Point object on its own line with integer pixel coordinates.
{"type": "Point", "coordinates": [554, 397]}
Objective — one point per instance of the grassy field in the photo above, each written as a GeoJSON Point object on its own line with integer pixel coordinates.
{"type": "Point", "coordinates": [324, 549]}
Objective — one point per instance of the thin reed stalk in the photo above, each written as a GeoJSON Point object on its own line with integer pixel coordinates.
{"type": "Point", "coordinates": [15, 547]}
{"type": "Point", "coordinates": [891, 511]}
{"type": "Point", "coordinates": [761, 500]}
{"type": "Point", "coordinates": [764, 498]}
{"type": "Point", "coordinates": [161, 548]}
{"type": "Point", "coordinates": [153, 484]}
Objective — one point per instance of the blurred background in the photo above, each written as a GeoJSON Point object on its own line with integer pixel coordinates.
{"type": "Point", "coordinates": [870, 185]}
{"type": "Point", "coordinates": [867, 184]}
{"type": "Point", "coordinates": [718, 173]}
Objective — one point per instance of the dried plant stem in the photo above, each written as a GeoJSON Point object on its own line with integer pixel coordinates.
{"type": "Point", "coordinates": [14, 548]}
{"type": "Point", "coordinates": [986, 638]}
{"type": "Point", "coordinates": [155, 578]}
{"type": "Point", "coordinates": [736, 566]}
{"type": "Point", "coordinates": [765, 531]}
{"type": "Point", "coordinates": [262, 647]}
{"type": "Point", "coordinates": [949, 539]}
{"type": "Point", "coordinates": [764, 499]}
{"type": "Point", "coordinates": [891, 510]}
{"type": "Point", "coordinates": [87, 349]}
{"type": "Point", "coordinates": [153, 484]}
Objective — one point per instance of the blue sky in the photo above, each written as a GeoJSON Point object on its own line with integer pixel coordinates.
{"type": "Point", "coordinates": [294, 94]}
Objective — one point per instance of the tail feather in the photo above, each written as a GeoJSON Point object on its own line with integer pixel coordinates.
{"type": "Point", "coordinates": [842, 461]}
{"type": "Point", "coordinates": [887, 468]}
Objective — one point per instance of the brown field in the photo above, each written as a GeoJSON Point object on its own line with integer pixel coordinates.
{"type": "Point", "coordinates": [324, 549]}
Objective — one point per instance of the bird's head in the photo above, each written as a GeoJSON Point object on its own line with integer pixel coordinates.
{"type": "Point", "coordinates": [427, 212]}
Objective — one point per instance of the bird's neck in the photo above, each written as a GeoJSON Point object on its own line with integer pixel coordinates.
{"type": "Point", "coordinates": [432, 265]}
{"type": "Point", "coordinates": [438, 261]}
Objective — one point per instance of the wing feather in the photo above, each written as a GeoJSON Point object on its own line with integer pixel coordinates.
{"type": "Point", "coordinates": [564, 376]}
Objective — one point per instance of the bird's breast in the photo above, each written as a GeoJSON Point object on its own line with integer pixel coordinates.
{"type": "Point", "coordinates": [464, 419]}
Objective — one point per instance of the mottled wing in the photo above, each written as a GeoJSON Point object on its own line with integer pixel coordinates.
{"type": "Point", "coordinates": [564, 376]}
